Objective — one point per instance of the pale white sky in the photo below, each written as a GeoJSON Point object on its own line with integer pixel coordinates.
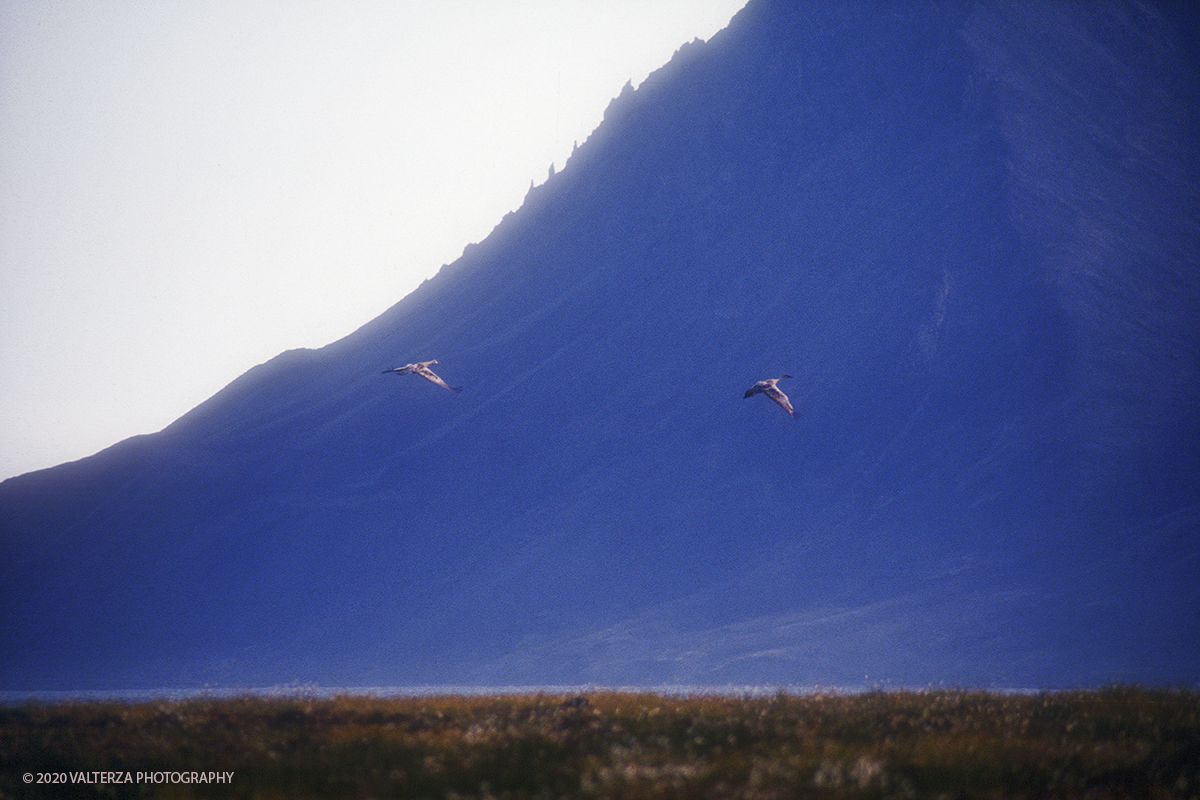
{"type": "Point", "coordinates": [190, 187]}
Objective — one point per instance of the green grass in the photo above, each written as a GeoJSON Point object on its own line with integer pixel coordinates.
{"type": "Point", "coordinates": [1113, 743]}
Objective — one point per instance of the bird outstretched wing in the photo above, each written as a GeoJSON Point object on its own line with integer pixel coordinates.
{"type": "Point", "coordinates": [780, 398]}
{"type": "Point", "coordinates": [430, 375]}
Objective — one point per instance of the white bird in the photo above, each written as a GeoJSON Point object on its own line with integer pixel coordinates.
{"type": "Point", "coordinates": [422, 368]}
{"type": "Point", "coordinates": [772, 391]}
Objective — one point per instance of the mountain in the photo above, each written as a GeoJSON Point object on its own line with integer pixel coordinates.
{"type": "Point", "coordinates": [968, 229]}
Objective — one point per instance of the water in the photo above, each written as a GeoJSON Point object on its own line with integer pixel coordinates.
{"type": "Point", "coordinates": [307, 690]}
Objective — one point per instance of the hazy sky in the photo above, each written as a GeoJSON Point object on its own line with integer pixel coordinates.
{"type": "Point", "coordinates": [189, 188]}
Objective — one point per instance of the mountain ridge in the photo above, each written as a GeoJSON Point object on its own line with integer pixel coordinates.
{"type": "Point", "coordinates": [988, 483]}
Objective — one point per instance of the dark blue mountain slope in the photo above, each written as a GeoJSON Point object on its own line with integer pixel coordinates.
{"type": "Point", "coordinates": [968, 229]}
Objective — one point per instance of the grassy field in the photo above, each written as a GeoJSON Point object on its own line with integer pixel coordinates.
{"type": "Point", "coordinates": [1114, 743]}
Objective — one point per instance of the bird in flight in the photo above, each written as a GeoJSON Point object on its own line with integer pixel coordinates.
{"type": "Point", "coordinates": [422, 368]}
{"type": "Point", "coordinates": [772, 391]}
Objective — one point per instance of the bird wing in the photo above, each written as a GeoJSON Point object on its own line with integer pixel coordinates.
{"type": "Point", "coordinates": [406, 369]}
{"type": "Point", "coordinates": [428, 374]}
{"type": "Point", "coordinates": [781, 398]}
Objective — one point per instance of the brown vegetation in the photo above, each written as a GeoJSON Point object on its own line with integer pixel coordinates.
{"type": "Point", "coordinates": [1115, 743]}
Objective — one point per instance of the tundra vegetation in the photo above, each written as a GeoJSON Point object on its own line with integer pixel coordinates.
{"type": "Point", "coordinates": [1121, 742]}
